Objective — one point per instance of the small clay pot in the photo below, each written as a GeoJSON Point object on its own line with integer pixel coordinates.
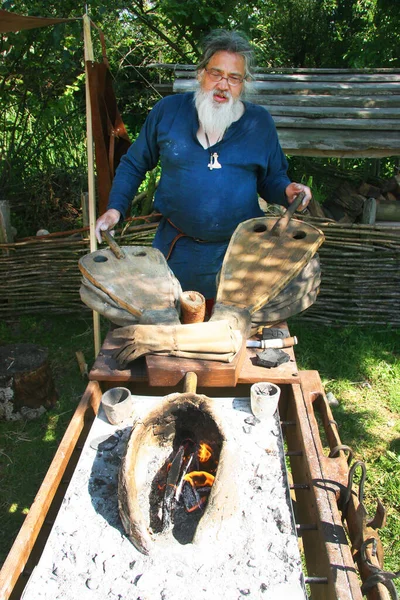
{"type": "Point", "coordinates": [117, 404]}
{"type": "Point", "coordinates": [264, 398]}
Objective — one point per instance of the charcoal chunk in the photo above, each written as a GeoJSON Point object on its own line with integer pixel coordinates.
{"type": "Point", "coordinates": [272, 357]}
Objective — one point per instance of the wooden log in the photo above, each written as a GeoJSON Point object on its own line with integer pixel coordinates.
{"type": "Point", "coordinates": [25, 379]}
{"type": "Point", "coordinates": [369, 211]}
{"type": "Point", "coordinates": [388, 211]}
{"type": "Point", "coordinates": [6, 232]}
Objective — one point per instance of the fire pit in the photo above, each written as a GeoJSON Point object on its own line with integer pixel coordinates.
{"type": "Point", "coordinates": [231, 539]}
{"type": "Point", "coordinates": [175, 472]}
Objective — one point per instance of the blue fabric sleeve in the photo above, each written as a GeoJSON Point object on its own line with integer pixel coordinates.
{"type": "Point", "coordinates": [141, 157]}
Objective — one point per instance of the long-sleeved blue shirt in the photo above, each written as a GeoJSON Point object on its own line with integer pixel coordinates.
{"type": "Point", "coordinates": [205, 204]}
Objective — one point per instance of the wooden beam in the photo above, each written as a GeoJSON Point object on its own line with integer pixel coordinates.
{"type": "Point", "coordinates": [307, 88]}
{"type": "Point", "coordinates": [315, 78]}
{"type": "Point", "coordinates": [322, 101]}
{"type": "Point", "coordinates": [314, 142]}
{"type": "Point", "coordinates": [89, 56]}
{"type": "Point", "coordinates": [377, 125]}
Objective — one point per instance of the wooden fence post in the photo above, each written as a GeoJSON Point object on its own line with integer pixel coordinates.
{"type": "Point", "coordinates": [6, 232]}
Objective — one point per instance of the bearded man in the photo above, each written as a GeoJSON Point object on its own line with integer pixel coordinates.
{"type": "Point", "coordinates": [218, 154]}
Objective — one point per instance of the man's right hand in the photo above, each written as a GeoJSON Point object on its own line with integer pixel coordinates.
{"type": "Point", "coordinates": [106, 222]}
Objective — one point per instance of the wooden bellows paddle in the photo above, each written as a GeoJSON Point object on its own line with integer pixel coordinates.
{"type": "Point", "coordinates": [264, 254]}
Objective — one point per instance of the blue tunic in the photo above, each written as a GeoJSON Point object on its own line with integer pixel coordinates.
{"type": "Point", "coordinates": [205, 204]}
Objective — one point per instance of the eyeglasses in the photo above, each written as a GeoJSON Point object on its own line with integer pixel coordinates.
{"type": "Point", "coordinates": [216, 76]}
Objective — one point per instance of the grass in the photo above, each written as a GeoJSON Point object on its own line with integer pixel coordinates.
{"type": "Point", "coordinates": [361, 367]}
{"type": "Point", "coordinates": [27, 447]}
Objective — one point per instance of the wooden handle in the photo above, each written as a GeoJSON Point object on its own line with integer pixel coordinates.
{"type": "Point", "coordinates": [107, 237]}
{"type": "Point", "coordinates": [282, 223]}
{"type": "Point", "coordinates": [190, 383]}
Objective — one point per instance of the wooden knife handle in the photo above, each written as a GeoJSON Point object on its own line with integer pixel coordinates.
{"type": "Point", "coordinates": [107, 237]}
{"type": "Point", "coordinates": [283, 222]}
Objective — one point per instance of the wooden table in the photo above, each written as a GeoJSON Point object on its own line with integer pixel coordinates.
{"type": "Point", "coordinates": [169, 371]}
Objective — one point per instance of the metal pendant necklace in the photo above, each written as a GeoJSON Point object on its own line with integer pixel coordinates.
{"type": "Point", "coordinates": [213, 164]}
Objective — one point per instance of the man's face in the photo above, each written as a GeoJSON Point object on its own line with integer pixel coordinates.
{"type": "Point", "coordinates": [226, 64]}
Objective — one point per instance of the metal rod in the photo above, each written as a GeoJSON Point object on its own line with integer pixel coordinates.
{"type": "Point", "coordinates": [299, 486]}
{"type": "Point", "coordinates": [317, 580]}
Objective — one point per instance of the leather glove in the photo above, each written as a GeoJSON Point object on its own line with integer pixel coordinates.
{"type": "Point", "coordinates": [212, 341]}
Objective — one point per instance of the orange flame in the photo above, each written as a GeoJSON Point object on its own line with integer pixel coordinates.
{"type": "Point", "coordinates": [199, 478]}
{"type": "Point", "coordinates": [204, 453]}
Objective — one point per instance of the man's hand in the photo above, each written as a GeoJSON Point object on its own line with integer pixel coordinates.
{"type": "Point", "coordinates": [106, 222]}
{"type": "Point", "coordinates": [294, 189]}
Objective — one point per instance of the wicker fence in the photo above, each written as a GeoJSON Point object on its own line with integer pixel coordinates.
{"type": "Point", "coordinates": [360, 273]}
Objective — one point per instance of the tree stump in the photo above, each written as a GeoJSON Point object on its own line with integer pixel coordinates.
{"type": "Point", "coordinates": [26, 382]}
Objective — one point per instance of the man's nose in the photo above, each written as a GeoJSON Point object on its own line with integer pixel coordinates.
{"type": "Point", "coordinates": [223, 84]}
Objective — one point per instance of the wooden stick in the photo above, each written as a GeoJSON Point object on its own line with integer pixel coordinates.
{"type": "Point", "coordinates": [114, 247]}
{"type": "Point", "coordinates": [190, 383]}
{"type": "Point", "coordinates": [89, 56]}
{"type": "Point", "coordinates": [282, 223]}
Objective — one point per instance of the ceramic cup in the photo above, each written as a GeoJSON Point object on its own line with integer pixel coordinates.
{"type": "Point", "coordinates": [264, 398]}
{"type": "Point", "coordinates": [117, 404]}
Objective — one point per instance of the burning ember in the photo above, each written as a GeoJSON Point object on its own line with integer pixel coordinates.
{"type": "Point", "coordinates": [168, 471]}
{"type": "Point", "coordinates": [185, 481]}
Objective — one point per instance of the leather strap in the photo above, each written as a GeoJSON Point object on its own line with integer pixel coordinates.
{"type": "Point", "coordinates": [179, 235]}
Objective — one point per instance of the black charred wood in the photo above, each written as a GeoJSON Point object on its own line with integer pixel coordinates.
{"type": "Point", "coordinates": [172, 482]}
{"type": "Point", "coordinates": [272, 357]}
{"type": "Point", "coordinates": [190, 496]}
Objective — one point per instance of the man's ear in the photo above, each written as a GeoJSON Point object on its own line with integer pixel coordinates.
{"type": "Point", "coordinates": [200, 74]}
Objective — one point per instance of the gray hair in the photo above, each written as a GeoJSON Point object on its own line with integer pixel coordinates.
{"type": "Point", "coordinates": [228, 41]}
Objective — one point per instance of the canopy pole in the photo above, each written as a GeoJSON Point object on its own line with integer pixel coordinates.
{"type": "Point", "coordinates": [89, 56]}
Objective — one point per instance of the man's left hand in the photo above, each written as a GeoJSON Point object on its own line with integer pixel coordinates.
{"type": "Point", "coordinates": [294, 189]}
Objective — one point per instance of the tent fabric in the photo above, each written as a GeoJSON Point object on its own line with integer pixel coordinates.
{"type": "Point", "coordinates": [12, 22]}
{"type": "Point", "coordinates": [111, 140]}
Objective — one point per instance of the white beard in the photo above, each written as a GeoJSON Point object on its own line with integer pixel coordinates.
{"type": "Point", "coordinates": [213, 117]}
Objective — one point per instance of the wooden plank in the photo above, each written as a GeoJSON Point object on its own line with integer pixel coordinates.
{"type": "Point", "coordinates": [345, 89]}
{"type": "Point", "coordinates": [22, 547]}
{"type": "Point", "coordinates": [313, 77]}
{"type": "Point", "coordinates": [326, 549]}
{"type": "Point", "coordinates": [321, 100]}
{"type": "Point", "coordinates": [313, 142]}
{"type": "Point", "coordinates": [105, 369]}
{"type": "Point", "coordinates": [359, 114]}
{"type": "Point", "coordinates": [286, 373]}
{"type": "Point", "coordinates": [177, 67]}
{"type": "Point", "coordinates": [169, 371]}
{"type": "Point", "coordinates": [326, 123]}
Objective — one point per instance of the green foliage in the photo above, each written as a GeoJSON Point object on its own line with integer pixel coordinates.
{"type": "Point", "coordinates": [42, 96]}
{"type": "Point", "coordinates": [361, 367]}
{"type": "Point", "coordinates": [27, 447]}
